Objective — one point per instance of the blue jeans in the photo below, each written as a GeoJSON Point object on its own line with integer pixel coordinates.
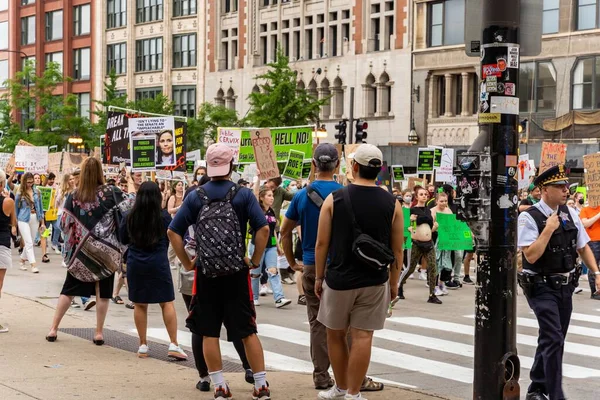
{"type": "Point", "coordinates": [269, 258]}
{"type": "Point", "coordinates": [55, 232]}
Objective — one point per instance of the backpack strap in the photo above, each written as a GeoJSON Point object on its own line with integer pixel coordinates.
{"type": "Point", "coordinates": [228, 196]}
{"type": "Point", "coordinates": [314, 196]}
{"type": "Point", "coordinates": [346, 194]}
{"type": "Point", "coordinates": [202, 194]}
{"type": "Point", "coordinates": [232, 192]}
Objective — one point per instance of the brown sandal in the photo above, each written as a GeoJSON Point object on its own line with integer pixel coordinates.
{"type": "Point", "coordinates": [369, 385]}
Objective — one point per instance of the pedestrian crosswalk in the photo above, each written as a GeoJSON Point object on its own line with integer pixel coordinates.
{"type": "Point", "coordinates": [424, 347]}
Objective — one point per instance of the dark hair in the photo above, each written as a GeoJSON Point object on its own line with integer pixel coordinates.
{"type": "Point", "coordinates": [51, 176]}
{"type": "Point", "coordinates": [144, 222]}
{"type": "Point", "coordinates": [328, 166]}
{"type": "Point", "coordinates": [277, 181]}
{"type": "Point", "coordinates": [111, 182]}
{"type": "Point", "coordinates": [204, 179]}
{"type": "Point", "coordinates": [369, 173]}
{"type": "Point", "coordinates": [122, 180]}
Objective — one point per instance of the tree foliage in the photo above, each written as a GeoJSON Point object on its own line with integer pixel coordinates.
{"type": "Point", "coordinates": [208, 119]}
{"type": "Point", "coordinates": [280, 102]}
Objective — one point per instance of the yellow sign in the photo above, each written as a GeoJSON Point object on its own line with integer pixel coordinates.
{"type": "Point", "coordinates": [489, 118]}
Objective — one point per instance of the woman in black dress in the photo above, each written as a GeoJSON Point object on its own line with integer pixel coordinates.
{"type": "Point", "coordinates": [148, 272]}
{"type": "Point", "coordinates": [91, 250]}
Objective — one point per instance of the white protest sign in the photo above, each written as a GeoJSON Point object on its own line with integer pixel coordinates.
{"type": "Point", "coordinates": [162, 128]}
{"type": "Point", "coordinates": [232, 138]}
{"type": "Point", "coordinates": [32, 159]}
{"type": "Point", "coordinates": [193, 155]}
{"type": "Point", "coordinates": [445, 171]}
{"type": "Point", "coordinates": [4, 158]}
{"type": "Point", "coordinates": [524, 171]}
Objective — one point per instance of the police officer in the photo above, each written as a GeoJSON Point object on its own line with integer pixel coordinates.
{"type": "Point", "coordinates": [551, 236]}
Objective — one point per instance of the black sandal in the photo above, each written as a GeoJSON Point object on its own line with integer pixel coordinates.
{"type": "Point", "coordinates": [45, 258]}
{"type": "Point", "coordinates": [51, 338]}
{"type": "Point", "coordinates": [130, 305]}
{"type": "Point", "coordinates": [98, 342]}
{"type": "Point", "coordinates": [117, 300]}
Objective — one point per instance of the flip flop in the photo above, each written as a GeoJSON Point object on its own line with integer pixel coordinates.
{"type": "Point", "coordinates": [117, 300]}
{"type": "Point", "coordinates": [51, 338]}
{"type": "Point", "coordinates": [131, 306]}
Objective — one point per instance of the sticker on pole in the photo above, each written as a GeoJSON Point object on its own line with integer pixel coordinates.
{"type": "Point", "coordinates": [513, 57]}
{"type": "Point", "coordinates": [504, 105]}
{"type": "Point", "coordinates": [489, 118]}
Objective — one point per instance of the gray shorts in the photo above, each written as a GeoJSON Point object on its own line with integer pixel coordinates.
{"type": "Point", "coordinates": [364, 308]}
{"type": "Point", "coordinates": [5, 258]}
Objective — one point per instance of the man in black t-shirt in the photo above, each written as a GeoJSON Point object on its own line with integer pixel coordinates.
{"type": "Point", "coordinates": [355, 295]}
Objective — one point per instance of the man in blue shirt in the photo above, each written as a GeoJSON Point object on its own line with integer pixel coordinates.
{"type": "Point", "coordinates": [225, 299]}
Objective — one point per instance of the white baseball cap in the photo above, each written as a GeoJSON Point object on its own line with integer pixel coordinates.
{"type": "Point", "coordinates": [368, 155]}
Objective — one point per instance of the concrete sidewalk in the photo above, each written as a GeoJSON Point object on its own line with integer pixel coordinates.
{"type": "Point", "coordinates": [74, 368]}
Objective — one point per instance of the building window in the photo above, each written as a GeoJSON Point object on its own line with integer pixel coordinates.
{"type": "Point", "coordinates": [184, 51]}
{"type": "Point", "coordinates": [4, 35]}
{"type": "Point", "coordinates": [537, 87]}
{"type": "Point", "coordinates": [550, 16]}
{"type": "Point", "coordinates": [25, 2]}
{"type": "Point", "coordinates": [385, 94]}
{"type": "Point", "coordinates": [81, 64]}
{"type": "Point", "coordinates": [116, 13]}
{"type": "Point", "coordinates": [337, 104]}
{"type": "Point", "coordinates": [149, 54]}
{"type": "Point", "coordinates": [54, 25]}
{"type": "Point", "coordinates": [220, 99]}
{"type": "Point", "coordinates": [446, 23]}
{"type": "Point", "coordinates": [184, 98]}
{"type": "Point", "coordinates": [56, 58]}
{"type": "Point", "coordinates": [81, 20]}
{"type": "Point", "coordinates": [587, 14]}
{"type": "Point", "coordinates": [370, 96]}
{"type": "Point", "coordinates": [28, 30]}
{"type": "Point", "coordinates": [229, 6]}
{"type": "Point", "coordinates": [116, 58]}
{"type": "Point", "coordinates": [441, 86]}
{"type": "Point", "coordinates": [147, 93]}
{"type": "Point", "coordinates": [83, 104]}
{"type": "Point", "coordinates": [184, 7]}
{"type": "Point", "coordinates": [586, 84]}
{"type": "Point", "coordinates": [382, 26]}
{"type": "Point", "coordinates": [325, 94]}
{"type": "Point", "coordinates": [3, 5]}
{"type": "Point", "coordinates": [230, 99]}
{"type": "Point", "coordinates": [149, 10]}
{"type": "Point", "coordinates": [3, 72]}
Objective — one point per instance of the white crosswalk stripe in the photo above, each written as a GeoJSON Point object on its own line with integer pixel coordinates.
{"type": "Point", "coordinates": [418, 348]}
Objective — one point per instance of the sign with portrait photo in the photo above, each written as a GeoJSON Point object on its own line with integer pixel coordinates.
{"type": "Point", "coordinates": [163, 129]}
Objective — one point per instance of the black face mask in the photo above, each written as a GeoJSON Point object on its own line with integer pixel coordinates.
{"type": "Point", "coordinates": [581, 201]}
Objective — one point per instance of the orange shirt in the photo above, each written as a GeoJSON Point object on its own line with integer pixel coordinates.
{"type": "Point", "coordinates": [594, 230]}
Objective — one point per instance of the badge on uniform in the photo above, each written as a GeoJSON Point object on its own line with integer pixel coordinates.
{"type": "Point", "coordinates": [564, 216]}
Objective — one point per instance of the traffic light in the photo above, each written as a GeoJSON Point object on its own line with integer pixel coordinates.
{"type": "Point", "coordinates": [341, 132]}
{"type": "Point", "coordinates": [361, 131]}
{"type": "Point", "coordinates": [523, 131]}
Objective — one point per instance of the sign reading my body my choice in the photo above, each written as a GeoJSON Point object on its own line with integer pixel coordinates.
{"type": "Point", "coordinates": [284, 140]}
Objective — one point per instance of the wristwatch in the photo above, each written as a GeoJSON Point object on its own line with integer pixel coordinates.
{"type": "Point", "coordinates": [597, 273]}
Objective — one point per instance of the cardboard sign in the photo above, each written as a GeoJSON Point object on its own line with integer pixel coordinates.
{"type": "Point", "coordinates": [349, 151]}
{"type": "Point", "coordinates": [552, 154]}
{"type": "Point", "coordinates": [232, 138]}
{"type": "Point", "coordinates": [397, 173]}
{"type": "Point", "coordinates": [425, 161]}
{"type": "Point", "coordinates": [414, 181]}
{"type": "Point", "coordinates": [4, 159]}
{"type": "Point", "coordinates": [591, 164]}
{"type": "Point", "coordinates": [453, 234]}
{"type": "Point", "coordinates": [297, 138]}
{"type": "Point", "coordinates": [143, 152]}
{"type": "Point", "coordinates": [32, 159]}
{"type": "Point", "coordinates": [264, 153]}
{"type": "Point", "coordinates": [293, 168]}
{"type": "Point", "coordinates": [445, 173]}
{"type": "Point", "coordinates": [47, 195]}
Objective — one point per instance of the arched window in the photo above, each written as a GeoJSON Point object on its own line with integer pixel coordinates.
{"type": "Point", "coordinates": [324, 93]}
{"type": "Point", "coordinates": [230, 99]}
{"type": "Point", "coordinates": [220, 99]}
{"type": "Point", "coordinates": [300, 85]}
{"type": "Point", "coordinates": [586, 84]}
{"type": "Point", "coordinates": [337, 101]}
{"type": "Point", "coordinates": [255, 89]}
{"type": "Point", "coordinates": [370, 96]}
{"type": "Point", "coordinates": [385, 94]}
{"type": "Point", "coordinates": [312, 89]}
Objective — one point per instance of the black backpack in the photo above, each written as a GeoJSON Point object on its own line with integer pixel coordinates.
{"type": "Point", "coordinates": [220, 246]}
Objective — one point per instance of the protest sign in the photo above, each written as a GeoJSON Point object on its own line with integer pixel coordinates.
{"type": "Point", "coordinates": [437, 156]}
{"type": "Point", "coordinates": [190, 165]}
{"type": "Point", "coordinates": [143, 153]}
{"type": "Point", "coordinates": [591, 165]}
{"type": "Point", "coordinates": [4, 158]}
{"type": "Point", "coordinates": [407, 238]}
{"type": "Point", "coordinates": [552, 154]}
{"type": "Point", "coordinates": [10, 166]}
{"type": "Point", "coordinates": [397, 173]}
{"type": "Point", "coordinates": [47, 195]}
{"type": "Point", "coordinates": [452, 233]}
{"type": "Point", "coordinates": [524, 171]}
{"type": "Point", "coordinates": [32, 159]}
{"type": "Point", "coordinates": [180, 148]}
{"type": "Point", "coordinates": [425, 161]}
{"type": "Point", "coordinates": [162, 128]}
{"type": "Point", "coordinates": [297, 138]}
{"type": "Point", "coordinates": [384, 177]}
{"type": "Point", "coordinates": [414, 181]}
{"type": "Point", "coordinates": [445, 172]}
{"type": "Point", "coordinates": [116, 139]}
{"type": "Point", "coordinates": [349, 151]}
{"type": "Point", "coordinates": [583, 191]}
{"type": "Point", "coordinates": [306, 168]}
{"type": "Point", "coordinates": [264, 153]}
{"type": "Point", "coordinates": [293, 168]}
{"type": "Point", "coordinates": [232, 138]}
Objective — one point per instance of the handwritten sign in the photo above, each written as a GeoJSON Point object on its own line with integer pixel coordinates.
{"type": "Point", "coordinates": [293, 168]}
{"type": "Point", "coordinates": [445, 172]}
{"type": "Point", "coordinates": [504, 105]}
{"type": "Point", "coordinates": [552, 154]}
{"type": "Point", "coordinates": [524, 171]}
{"type": "Point", "coordinates": [47, 195]}
{"type": "Point", "coordinates": [264, 153]}
{"type": "Point", "coordinates": [32, 159]}
{"type": "Point", "coordinates": [232, 138]}
{"type": "Point", "coordinates": [591, 164]}
{"type": "Point", "coordinates": [453, 234]}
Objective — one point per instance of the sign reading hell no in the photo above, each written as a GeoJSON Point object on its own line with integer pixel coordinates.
{"type": "Point", "coordinates": [264, 153]}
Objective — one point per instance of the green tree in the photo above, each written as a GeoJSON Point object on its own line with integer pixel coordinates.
{"type": "Point", "coordinates": [208, 119]}
{"type": "Point", "coordinates": [111, 98]}
{"type": "Point", "coordinates": [280, 102]}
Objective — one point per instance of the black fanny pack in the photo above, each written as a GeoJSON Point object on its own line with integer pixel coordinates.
{"type": "Point", "coordinates": [370, 251]}
{"type": "Point", "coordinates": [424, 246]}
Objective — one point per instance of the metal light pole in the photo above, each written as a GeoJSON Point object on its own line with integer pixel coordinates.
{"type": "Point", "coordinates": [27, 83]}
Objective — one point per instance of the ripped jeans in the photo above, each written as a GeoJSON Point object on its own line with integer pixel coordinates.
{"type": "Point", "coordinates": [269, 258]}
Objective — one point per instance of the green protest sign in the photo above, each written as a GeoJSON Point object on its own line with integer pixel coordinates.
{"type": "Point", "coordinates": [398, 173]}
{"type": "Point", "coordinates": [437, 157]}
{"type": "Point", "coordinates": [306, 167]}
{"type": "Point", "coordinates": [47, 194]}
{"type": "Point", "coordinates": [143, 153]}
{"type": "Point", "coordinates": [189, 166]}
{"type": "Point", "coordinates": [293, 168]}
{"type": "Point", "coordinates": [284, 139]}
{"type": "Point", "coordinates": [425, 161]}
{"type": "Point", "coordinates": [407, 238]}
{"type": "Point", "coordinates": [452, 233]}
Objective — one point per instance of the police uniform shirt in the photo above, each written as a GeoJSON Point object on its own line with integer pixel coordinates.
{"type": "Point", "coordinates": [528, 230]}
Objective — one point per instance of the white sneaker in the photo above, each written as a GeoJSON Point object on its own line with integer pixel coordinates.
{"type": "Point", "coordinates": [282, 302]}
{"type": "Point", "coordinates": [438, 291]}
{"type": "Point", "coordinates": [423, 276]}
{"type": "Point", "coordinates": [22, 265]}
{"type": "Point", "coordinates": [444, 289]}
{"type": "Point", "coordinates": [269, 290]}
{"type": "Point", "coordinates": [333, 393]}
{"type": "Point", "coordinates": [3, 329]}
{"type": "Point", "coordinates": [143, 351]}
{"type": "Point", "coordinates": [289, 281]}
{"type": "Point", "coordinates": [263, 290]}
{"type": "Point", "coordinates": [413, 275]}
{"type": "Point", "coordinates": [57, 251]}
{"type": "Point", "coordinates": [176, 352]}
{"type": "Point", "coordinates": [256, 303]}
{"type": "Point", "coordinates": [35, 270]}
{"type": "Point", "coordinates": [64, 265]}
{"type": "Point", "coordinates": [578, 290]}
{"type": "Point", "coordinates": [350, 397]}
{"type": "Point", "coordinates": [173, 266]}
